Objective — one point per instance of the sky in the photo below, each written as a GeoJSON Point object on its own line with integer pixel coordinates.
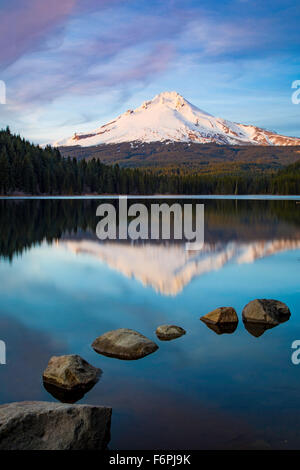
{"type": "Point", "coordinates": [71, 66]}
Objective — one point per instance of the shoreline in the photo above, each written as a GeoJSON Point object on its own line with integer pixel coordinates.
{"type": "Point", "coordinates": [156, 196]}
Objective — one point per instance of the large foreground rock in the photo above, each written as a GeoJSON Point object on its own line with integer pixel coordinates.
{"type": "Point", "coordinates": [124, 344]}
{"type": "Point", "coordinates": [221, 315]}
{"type": "Point", "coordinates": [169, 332]}
{"type": "Point", "coordinates": [267, 311]}
{"type": "Point", "coordinates": [53, 426]}
{"type": "Point", "coordinates": [71, 372]}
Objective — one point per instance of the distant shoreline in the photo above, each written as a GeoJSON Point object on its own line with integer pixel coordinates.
{"type": "Point", "coordinates": [155, 196]}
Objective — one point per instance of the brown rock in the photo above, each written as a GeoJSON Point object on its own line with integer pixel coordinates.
{"type": "Point", "coordinates": [71, 372]}
{"type": "Point", "coordinates": [65, 395]}
{"type": "Point", "coordinates": [257, 329]}
{"type": "Point", "coordinates": [221, 315]}
{"type": "Point", "coordinates": [169, 332]}
{"type": "Point", "coordinates": [222, 328]}
{"type": "Point", "coordinates": [124, 343]}
{"type": "Point", "coordinates": [267, 311]}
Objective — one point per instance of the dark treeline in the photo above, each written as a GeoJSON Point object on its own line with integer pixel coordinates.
{"type": "Point", "coordinates": [29, 169]}
{"type": "Point", "coordinates": [41, 220]}
{"type": "Point", "coordinates": [49, 220]}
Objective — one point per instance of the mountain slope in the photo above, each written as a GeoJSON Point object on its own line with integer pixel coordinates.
{"type": "Point", "coordinates": [169, 117]}
{"type": "Point", "coordinates": [183, 158]}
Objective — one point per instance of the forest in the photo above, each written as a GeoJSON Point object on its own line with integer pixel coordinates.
{"type": "Point", "coordinates": [26, 168]}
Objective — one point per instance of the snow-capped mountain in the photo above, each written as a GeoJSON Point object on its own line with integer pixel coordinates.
{"type": "Point", "coordinates": [169, 117]}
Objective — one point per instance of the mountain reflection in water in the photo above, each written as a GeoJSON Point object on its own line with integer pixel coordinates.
{"type": "Point", "coordinates": [169, 268]}
{"type": "Point", "coordinates": [61, 288]}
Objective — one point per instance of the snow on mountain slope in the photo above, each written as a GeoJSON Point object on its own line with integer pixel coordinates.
{"type": "Point", "coordinates": [169, 117]}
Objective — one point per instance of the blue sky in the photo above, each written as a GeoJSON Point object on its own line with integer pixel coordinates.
{"type": "Point", "coordinates": [71, 65]}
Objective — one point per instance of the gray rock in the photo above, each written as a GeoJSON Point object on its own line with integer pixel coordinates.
{"type": "Point", "coordinates": [124, 344]}
{"type": "Point", "coordinates": [53, 426]}
{"type": "Point", "coordinates": [71, 372]}
{"type": "Point", "coordinates": [267, 311]}
{"type": "Point", "coordinates": [168, 332]}
{"type": "Point", "coordinates": [221, 315]}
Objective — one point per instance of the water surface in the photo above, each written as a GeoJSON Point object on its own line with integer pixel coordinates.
{"type": "Point", "coordinates": [60, 288]}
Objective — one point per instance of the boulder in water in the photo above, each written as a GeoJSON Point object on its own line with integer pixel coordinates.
{"type": "Point", "coordinates": [71, 372]}
{"type": "Point", "coordinates": [221, 316]}
{"type": "Point", "coordinates": [169, 332]}
{"type": "Point", "coordinates": [124, 343]}
{"type": "Point", "coordinates": [268, 311]}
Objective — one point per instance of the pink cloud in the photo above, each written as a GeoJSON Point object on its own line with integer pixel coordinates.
{"type": "Point", "coordinates": [79, 79]}
{"type": "Point", "coordinates": [25, 25]}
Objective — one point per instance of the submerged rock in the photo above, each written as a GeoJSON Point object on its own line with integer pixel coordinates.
{"type": "Point", "coordinates": [71, 372]}
{"type": "Point", "coordinates": [221, 316]}
{"type": "Point", "coordinates": [124, 343]}
{"type": "Point", "coordinates": [67, 396]}
{"type": "Point", "coordinates": [169, 332]}
{"type": "Point", "coordinates": [54, 426]}
{"type": "Point", "coordinates": [267, 311]}
{"type": "Point", "coordinates": [257, 329]}
{"type": "Point", "coordinates": [222, 328]}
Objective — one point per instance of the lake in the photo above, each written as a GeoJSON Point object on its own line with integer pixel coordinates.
{"type": "Point", "coordinates": [60, 288]}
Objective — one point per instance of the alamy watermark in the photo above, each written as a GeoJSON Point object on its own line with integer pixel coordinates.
{"type": "Point", "coordinates": [2, 92]}
{"type": "Point", "coordinates": [296, 94]}
{"type": "Point", "coordinates": [296, 354]}
{"type": "Point", "coordinates": [152, 221]}
{"type": "Point", "coordinates": [2, 353]}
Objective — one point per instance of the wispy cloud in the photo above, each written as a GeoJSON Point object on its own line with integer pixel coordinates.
{"type": "Point", "coordinates": [127, 50]}
{"type": "Point", "coordinates": [27, 25]}
{"type": "Point", "coordinates": [70, 49]}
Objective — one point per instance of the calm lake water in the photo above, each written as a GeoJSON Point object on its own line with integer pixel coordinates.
{"type": "Point", "coordinates": [60, 288]}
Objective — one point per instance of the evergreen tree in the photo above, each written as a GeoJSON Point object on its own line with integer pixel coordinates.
{"type": "Point", "coordinates": [4, 172]}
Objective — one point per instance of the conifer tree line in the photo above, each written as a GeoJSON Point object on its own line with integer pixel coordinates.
{"type": "Point", "coordinates": [30, 169]}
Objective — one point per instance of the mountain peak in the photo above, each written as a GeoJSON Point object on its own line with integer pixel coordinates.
{"type": "Point", "coordinates": [170, 96]}
{"type": "Point", "coordinates": [173, 100]}
{"type": "Point", "coordinates": [167, 98]}
{"type": "Point", "coordinates": [170, 117]}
